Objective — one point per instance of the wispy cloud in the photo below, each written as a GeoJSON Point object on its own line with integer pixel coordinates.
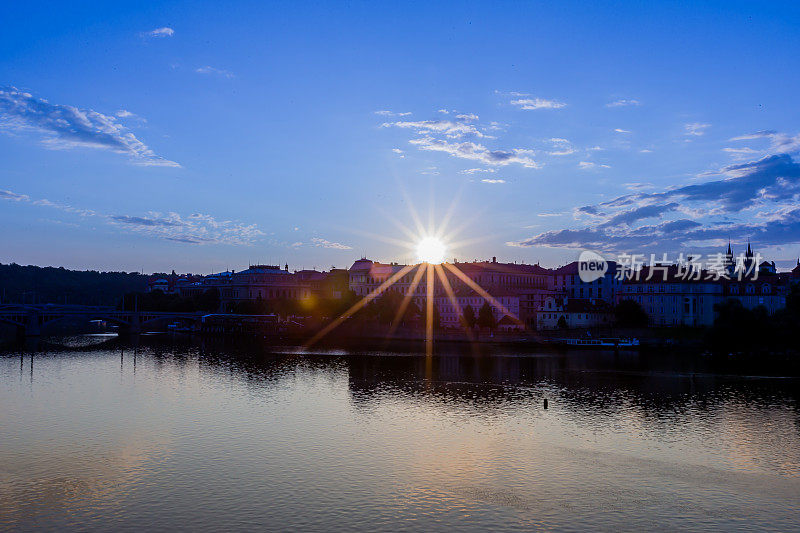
{"type": "Point", "coordinates": [477, 152]}
{"type": "Point", "coordinates": [741, 152]}
{"type": "Point", "coordinates": [757, 199]}
{"type": "Point", "coordinates": [493, 181]}
{"type": "Point", "coordinates": [448, 128]}
{"type": "Point", "coordinates": [144, 221]}
{"type": "Point", "coordinates": [584, 165]}
{"type": "Point", "coordinates": [196, 228]}
{"type": "Point", "coordinates": [44, 202]}
{"type": "Point", "coordinates": [779, 143]}
{"type": "Point", "coordinates": [695, 129]}
{"type": "Point", "coordinates": [456, 136]}
{"type": "Point", "coordinates": [636, 186]}
{"type": "Point", "coordinates": [9, 195]}
{"type": "Point", "coordinates": [531, 104]}
{"type": "Point", "coordinates": [160, 32]}
{"type": "Point", "coordinates": [212, 71]}
{"type": "Point", "coordinates": [324, 243]}
{"type": "Point", "coordinates": [620, 130]}
{"type": "Point", "coordinates": [386, 113]}
{"type": "Point", "coordinates": [430, 171]}
{"type": "Point", "coordinates": [476, 170]}
{"type": "Point", "coordinates": [622, 102]}
{"type": "Point", "coordinates": [65, 127]}
{"type": "Point", "coordinates": [561, 147]}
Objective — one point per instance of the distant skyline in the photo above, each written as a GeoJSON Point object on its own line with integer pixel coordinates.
{"type": "Point", "coordinates": [200, 137]}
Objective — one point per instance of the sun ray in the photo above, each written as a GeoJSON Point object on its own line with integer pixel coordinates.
{"type": "Point", "coordinates": [441, 231]}
{"type": "Point", "coordinates": [429, 308]}
{"type": "Point", "coordinates": [467, 242]}
{"type": "Point", "coordinates": [406, 300]}
{"type": "Point", "coordinates": [480, 290]}
{"type": "Point", "coordinates": [480, 215]}
{"type": "Point", "coordinates": [451, 296]}
{"type": "Point", "coordinates": [432, 211]}
{"type": "Point", "coordinates": [412, 211]}
{"type": "Point", "coordinates": [388, 240]}
{"type": "Point", "coordinates": [399, 225]}
{"type": "Point", "coordinates": [358, 305]}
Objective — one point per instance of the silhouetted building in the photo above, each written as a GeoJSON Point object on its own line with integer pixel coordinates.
{"type": "Point", "coordinates": [560, 312]}
{"type": "Point", "coordinates": [567, 282]}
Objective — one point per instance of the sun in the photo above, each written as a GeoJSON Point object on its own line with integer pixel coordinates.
{"type": "Point", "coordinates": [431, 250]}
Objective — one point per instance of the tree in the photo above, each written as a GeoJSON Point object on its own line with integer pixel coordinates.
{"type": "Point", "coordinates": [737, 329]}
{"type": "Point", "coordinates": [486, 317]}
{"type": "Point", "coordinates": [630, 314]}
{"type": "Point", "coordinates": [468, 318]}
{"type": "Point", "coordinates": [385, 306]}
{"type": "Point", "coordinates": [33, 284]}
{"type": "Point", "coordinates": [562, 322]}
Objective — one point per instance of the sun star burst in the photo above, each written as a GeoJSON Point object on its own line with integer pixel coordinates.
{"type": "Point", "coordinates": [431, 250]}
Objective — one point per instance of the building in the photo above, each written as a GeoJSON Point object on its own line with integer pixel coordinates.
{"type": "Point", "coordinates": [670, 299]}
{"type": "Point", "coordinates": [528, 285]}
{"type": "Point", "coordinates": [769, 290]}
{"type": "Point", "coordinates": [567, 283]}
{"type": "Point", "coordinates": [269, 283]}
{"type": "Point", "coordinates": [505, 317]}
{"type": "Point", "coordinates": [334, 284]}
{"type": "Point", "coordinates": [365, 276]}
{"type": "Point", "coordinates": [171, 283]}
{"type": "Point", "coordinates": [574, 313]}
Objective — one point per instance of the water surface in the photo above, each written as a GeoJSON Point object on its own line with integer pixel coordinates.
{"type": "Point", "coordinates": [100, 434]}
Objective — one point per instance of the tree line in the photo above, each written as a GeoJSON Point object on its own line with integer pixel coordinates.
{"type": "Point", "coordinates": [58, 285]}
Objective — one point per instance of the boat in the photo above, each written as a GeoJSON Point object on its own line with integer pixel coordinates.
{"type": "Point", "coordinates": [606, 342]}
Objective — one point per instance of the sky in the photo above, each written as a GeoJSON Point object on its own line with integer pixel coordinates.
{"type": "Point", "coordinates": [200, 136]}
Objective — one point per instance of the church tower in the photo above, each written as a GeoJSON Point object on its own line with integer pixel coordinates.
{"type": "Point", "coordinates": [730, 264]}
{"type": "Point", "coordinates": [749, 265]}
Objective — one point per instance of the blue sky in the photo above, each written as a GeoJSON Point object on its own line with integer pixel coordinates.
{"type": "Point", "coordinates": [199, 137]}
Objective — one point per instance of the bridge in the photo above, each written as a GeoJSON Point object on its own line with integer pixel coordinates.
{"type": "Point", "coordinates": [29, 319]}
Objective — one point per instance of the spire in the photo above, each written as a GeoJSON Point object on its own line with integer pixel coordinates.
{"type": "Point", "coordinates": [730, 252]}
{"type": "Point", "coordinates": [749, 251]}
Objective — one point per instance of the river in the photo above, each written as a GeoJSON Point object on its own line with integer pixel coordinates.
{"type": "Point", "coordinates": [102, 434]}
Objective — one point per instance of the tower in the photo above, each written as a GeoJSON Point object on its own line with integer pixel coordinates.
{"type": "Point", "coordinates": [749, 260]}
{"type": "Point", "coordinates": [730, 264]}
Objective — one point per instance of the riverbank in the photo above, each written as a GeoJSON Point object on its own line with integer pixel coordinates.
{"type": "Point", "coordinates": [658, 358]}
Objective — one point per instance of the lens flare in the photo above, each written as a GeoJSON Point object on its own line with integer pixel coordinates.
{"type": "Point", "coordinates": [417, 282]}
{"type": "Point", "coordinates": [431, 250]}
